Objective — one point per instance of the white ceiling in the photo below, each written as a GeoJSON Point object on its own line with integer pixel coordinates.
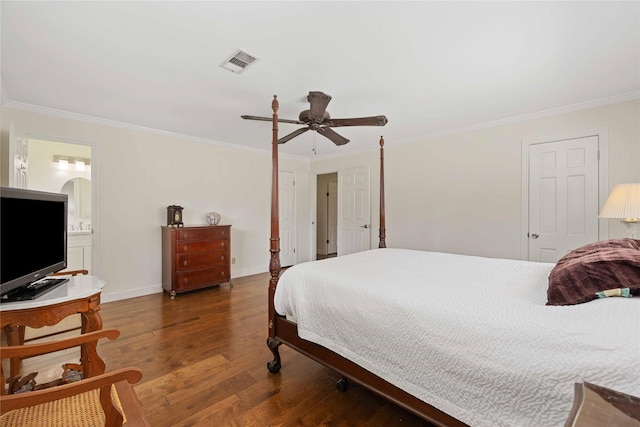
{"type": "Point", "coordinates": [431, 67]}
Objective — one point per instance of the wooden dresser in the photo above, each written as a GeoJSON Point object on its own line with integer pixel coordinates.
{"type": "Point", "coordinates": [195, 257]}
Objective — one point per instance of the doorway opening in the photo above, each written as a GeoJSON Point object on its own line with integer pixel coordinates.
{"type": "Point", "coordinates": [62, 167]}
{"type": "Point", "coordinates": [327, 216]}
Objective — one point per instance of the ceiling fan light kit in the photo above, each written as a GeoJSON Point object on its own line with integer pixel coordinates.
{"type": "Point", "coordinates": [317, 118]}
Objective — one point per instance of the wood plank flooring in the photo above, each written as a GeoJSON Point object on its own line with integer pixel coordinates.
{"type": "Point", "coordinates": [204, 358]}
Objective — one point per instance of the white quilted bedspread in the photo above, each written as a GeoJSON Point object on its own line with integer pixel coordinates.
{"type": "Point", "coordinates": [471, 336]}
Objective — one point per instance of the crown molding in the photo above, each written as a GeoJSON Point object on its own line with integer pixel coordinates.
{"type": "Point", "coordinates": [629, 96]}
{"type": "Point", "coordinates": [128, 126]}
{"type": "Point", "coordinates": [514, 119]}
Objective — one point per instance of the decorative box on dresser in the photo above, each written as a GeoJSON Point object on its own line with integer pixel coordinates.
{"type": "Point", "coordinates": [195, 257]}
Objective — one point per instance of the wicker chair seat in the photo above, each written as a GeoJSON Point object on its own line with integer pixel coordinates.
{"type": "Point", "coordinates": [81, 410]}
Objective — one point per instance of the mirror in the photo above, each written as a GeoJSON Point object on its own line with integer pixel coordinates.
{"type": "Point", "coordinates": [79, 208]}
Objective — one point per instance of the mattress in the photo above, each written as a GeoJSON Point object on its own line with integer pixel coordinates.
{"type": "Point", "coordinates": [471, 336]}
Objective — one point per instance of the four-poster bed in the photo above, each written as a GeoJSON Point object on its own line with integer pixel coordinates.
{"type": "Point", "coordinates": [452, 368]}
{"type": "Point", "coordinates": [283, 331]}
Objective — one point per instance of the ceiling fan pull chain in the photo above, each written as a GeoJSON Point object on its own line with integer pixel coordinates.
{"type": "Point", "coordinates": [314, 145]}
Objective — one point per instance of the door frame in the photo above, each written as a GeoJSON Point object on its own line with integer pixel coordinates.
{"type": "Point", "coordinates": [95, 218]}
{"type": "Point", "coordinates": [318, 195]}
{"type": "Point", "coordinates": [603, 187]}
{"type": "Point", "coordinates": [313, 194]}
{"type": "Point", "coordinates": [332, 216]}
{"type": "Point", "coordinates": [314, 208]}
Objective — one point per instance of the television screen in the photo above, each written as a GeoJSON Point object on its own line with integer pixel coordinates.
{"type": "Point", "coordinates": [33, 236]}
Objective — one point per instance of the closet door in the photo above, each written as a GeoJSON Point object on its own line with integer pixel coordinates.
{"type": "Point", "coordinates": [287, 200]}
{"type": "Point", "coordinates": [354, 211]}
{"type": "Point", "coordinates": [563, 197]}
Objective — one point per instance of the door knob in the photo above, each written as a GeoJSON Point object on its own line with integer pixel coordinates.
{"type": "Point", "coordinates": [534, 236]}
{"type": "Point", "coordinates": [364, 226]}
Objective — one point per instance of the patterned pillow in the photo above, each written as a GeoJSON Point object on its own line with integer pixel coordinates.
{"type": "Point", "coordinates": [596, 270]}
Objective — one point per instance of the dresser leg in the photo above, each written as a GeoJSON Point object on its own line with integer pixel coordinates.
{"type": "Point", "coordinates": [172, 295]}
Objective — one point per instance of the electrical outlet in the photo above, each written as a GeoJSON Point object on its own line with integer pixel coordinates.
{"type": "Point", "coordinates": [233, 260]}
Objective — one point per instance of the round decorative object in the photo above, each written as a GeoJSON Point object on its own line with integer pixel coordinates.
{"type": "Point", "coordinates": [213, 218]}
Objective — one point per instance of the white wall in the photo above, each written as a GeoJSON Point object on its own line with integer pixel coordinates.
{"type": "Point", "coordinates": [462, 193]}
{"type": "Point", "coordinates": [140, 173]}
{"type": "Point", "coordinates": [458, 193]}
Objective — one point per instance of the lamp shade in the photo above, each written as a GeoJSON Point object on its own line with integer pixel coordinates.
{"type": "Point", "coordinates": [623, 203]}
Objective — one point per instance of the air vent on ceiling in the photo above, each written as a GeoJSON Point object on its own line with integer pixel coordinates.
{"type": "Point", "coordinates": [239, 61]}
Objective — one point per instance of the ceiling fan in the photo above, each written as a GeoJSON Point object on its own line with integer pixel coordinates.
{"type": "Point", "coordinates": [318, 119]}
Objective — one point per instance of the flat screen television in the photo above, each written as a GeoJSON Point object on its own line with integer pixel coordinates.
{"type": "Point", "coordinates": [33, 236]}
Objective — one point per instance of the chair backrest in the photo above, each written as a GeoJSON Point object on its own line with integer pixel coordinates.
{"type": "Point", "coordinates": [40, 349]}
{"type": "Point", "coordinates": [99, 400]}
{"type": "Point", "coordinates": [70, 273]}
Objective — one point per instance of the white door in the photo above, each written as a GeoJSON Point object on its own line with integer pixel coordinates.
{"type": "Point", "coordinates": [563, 197]}
{"type": "Point", "coordinates": [287, 199]}
{"type": "Point", "coordinates": [18, 161]}
{"type": "Point", "coordinates": [354, 211]}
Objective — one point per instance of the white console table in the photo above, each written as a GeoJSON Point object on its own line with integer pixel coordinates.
{"type": "Point", "coordinates": [80, 295]}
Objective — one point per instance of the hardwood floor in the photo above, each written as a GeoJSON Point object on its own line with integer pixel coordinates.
{"type": "Point", "coordinates": [204, 358]}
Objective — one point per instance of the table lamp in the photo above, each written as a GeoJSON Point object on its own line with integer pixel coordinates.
{"type": "Point", "coordinates": [624, 203]}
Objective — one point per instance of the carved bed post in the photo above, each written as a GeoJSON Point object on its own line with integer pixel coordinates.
{"type": "Point", "coordinates": [383, 230]}
{"type": "Point", "coordinates": [274, 264]}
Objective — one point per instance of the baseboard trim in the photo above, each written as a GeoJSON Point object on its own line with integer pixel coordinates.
{"type": "Point", "coordinates": [132, 293]}
{"type": "Point", "coordinates": [155, 289]}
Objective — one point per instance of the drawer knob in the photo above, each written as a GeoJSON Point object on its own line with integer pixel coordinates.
{"type": "Point", "coordinates": [185, 235]}
{"type": "Point", "coordinates": [186, 263]}
{"type": "Point", "coordinates": [185, 248]}
{"type": "Point", "coordinates": [186, 280]}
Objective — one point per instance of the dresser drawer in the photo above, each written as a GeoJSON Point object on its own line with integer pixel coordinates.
{"type": "Point", "coordinates": [195, 257]}
{"type": "Point", "coordinates": [190, 261]}
{"type": "Point", "coordinates": [194, 279]}
{"type": "Point", "coordinates": [187, 247]}
{"type": "Point", "coordinates": [202, 233]}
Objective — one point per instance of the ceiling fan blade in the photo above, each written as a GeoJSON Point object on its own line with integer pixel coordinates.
{"type": "Point", "coordinates": [360, 121]}
{"type": "Point", "coordinates": [327, 132]}
{"type": "Point", "coordinates": [318, 102]}
{"type": "Point", "coordinates": [269, 119]}
{"type": "Point", "coordinates": [292, 135]}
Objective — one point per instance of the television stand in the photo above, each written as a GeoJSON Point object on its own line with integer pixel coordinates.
{"type": "Point", "coordinates": [81, 295]}
{"type": "Point", "coordinates": [34, 289]}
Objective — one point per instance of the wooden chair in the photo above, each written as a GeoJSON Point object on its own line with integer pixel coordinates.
{"type": "Point", "coordinates": [106, 399]}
